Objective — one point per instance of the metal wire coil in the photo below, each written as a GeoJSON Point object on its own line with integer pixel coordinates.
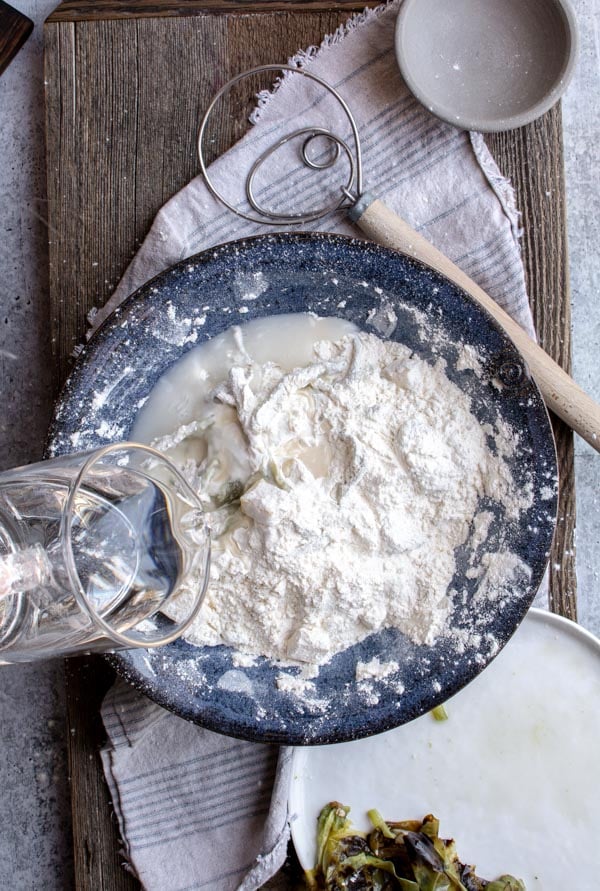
{"type": "Point", "coordinates": [351, 190]}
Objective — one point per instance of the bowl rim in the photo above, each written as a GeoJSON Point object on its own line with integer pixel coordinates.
{"type": "Point", "coordinates": [490, 124]}
{"type": "Point", "coordinates": [130, 664]}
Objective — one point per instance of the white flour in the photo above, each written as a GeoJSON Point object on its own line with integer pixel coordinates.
{"type": "Point", "coordinates": [351, 481]}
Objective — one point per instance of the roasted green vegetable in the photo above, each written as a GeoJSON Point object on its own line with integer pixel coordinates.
{"type": "Point", "coordinates": [407, 856]}
{"type": "Point", "coordinates": [345, 861]}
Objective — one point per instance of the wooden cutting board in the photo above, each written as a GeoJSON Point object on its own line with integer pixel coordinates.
{"type": "Point", "coordinates": [126, 85]}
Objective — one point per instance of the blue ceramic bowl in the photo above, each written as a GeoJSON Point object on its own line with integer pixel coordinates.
{"type": "Point", "coordinates": [309, 273]}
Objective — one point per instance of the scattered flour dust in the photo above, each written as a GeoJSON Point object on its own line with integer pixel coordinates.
{"type": "Point", "coordinates": [343, 489]}
{"type": "Point", "coordinates": [375, 669]}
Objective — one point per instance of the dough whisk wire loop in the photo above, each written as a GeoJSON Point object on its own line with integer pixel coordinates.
{"type": "Point", "coordinates": [380, 224]}
{"type": "Point", "coordinates": [350, 190]}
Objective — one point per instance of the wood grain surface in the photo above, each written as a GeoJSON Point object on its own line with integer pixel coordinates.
{"type": "Point", "coordinates": [85, 10]}
{"type": "Point", "coordinates": [126, 86]}
{"type": "Point", "coordinates": [533, 159]}
{"type": "Point", "coordinates": [96, 859]}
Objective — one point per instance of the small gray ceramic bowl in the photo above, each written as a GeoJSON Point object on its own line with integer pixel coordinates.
{"type": "Point", "coordinates": [486, 64]}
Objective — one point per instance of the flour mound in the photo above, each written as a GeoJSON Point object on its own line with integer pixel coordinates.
{"type": "Point", "coordinates": [351, 481]}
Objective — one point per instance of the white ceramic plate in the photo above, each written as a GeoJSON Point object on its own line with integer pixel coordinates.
{"type": "Point", "coordinates": [513, 774]}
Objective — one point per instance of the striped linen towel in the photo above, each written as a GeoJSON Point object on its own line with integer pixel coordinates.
{"type": "Point", "coordinates": [197, 810]}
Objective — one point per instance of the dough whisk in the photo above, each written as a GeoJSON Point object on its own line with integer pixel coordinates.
{"type": "Point", "coordinates": [561, 394]}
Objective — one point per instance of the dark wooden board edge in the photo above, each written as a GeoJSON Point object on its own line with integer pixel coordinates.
{"type": "Point", "coordinates": [96, 10]}
{"type": "Point", "coordinates": [15, 28]}
{"type": "Point", "coordinates": [98, 865]}
{"type": "Point", "coordinates": [532, 157]}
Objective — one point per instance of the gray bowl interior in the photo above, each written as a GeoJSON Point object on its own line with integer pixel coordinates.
{"type": "Point", "coordinates": [486, 64]}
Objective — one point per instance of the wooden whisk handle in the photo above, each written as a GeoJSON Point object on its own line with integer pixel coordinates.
{"type": "Point", "coordinates": [561, 394]}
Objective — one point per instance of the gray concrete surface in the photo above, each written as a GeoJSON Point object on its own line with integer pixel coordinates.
{"type": "Point", "coordinates": [35, 850]}
{"type": "Point", "coordinates": [25, 363]}
{"type": "Point", "coordinates": [35, 827]}
{"type": "Point", "coordinates": [35, 816]}
{"type": "Point", "coordinates": [581, 119]}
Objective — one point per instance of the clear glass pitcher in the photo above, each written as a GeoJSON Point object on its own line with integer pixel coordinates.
{"type": "Point", "coordinates": [94, 547]}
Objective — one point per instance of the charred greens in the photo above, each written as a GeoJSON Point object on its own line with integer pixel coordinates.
{"type": "Point", "coordinates": [407, 856]}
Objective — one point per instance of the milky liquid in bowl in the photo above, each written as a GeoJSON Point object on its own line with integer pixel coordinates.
{"type": "Point", "coordinates": [181, 395]}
